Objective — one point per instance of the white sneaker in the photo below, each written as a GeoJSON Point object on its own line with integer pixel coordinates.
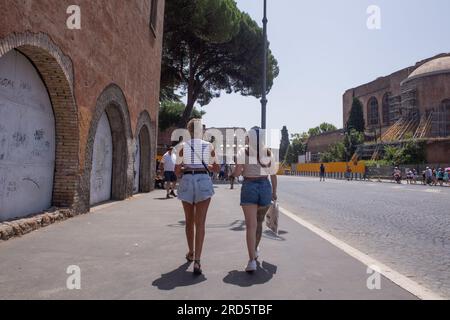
{"type": "Point", "coordinates": [251, 266]}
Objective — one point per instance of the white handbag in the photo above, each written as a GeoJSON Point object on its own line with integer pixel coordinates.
{"type": "Point", "coordinates": [272, 217]}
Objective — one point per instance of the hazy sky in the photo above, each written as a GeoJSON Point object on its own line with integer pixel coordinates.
{"type": "Point", "coordinates": [324, 47]}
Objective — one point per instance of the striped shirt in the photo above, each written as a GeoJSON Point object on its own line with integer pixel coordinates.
{"type": "Point", "coordinates": [195, 153]}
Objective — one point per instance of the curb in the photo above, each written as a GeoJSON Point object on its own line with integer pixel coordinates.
{"type": "Point", "coordinates": [20, 227]}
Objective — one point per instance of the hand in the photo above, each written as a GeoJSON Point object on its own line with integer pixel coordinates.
{"type": "Point", "coordinates": [274, 196]}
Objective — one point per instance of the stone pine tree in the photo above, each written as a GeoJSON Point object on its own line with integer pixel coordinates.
{"type": "Point", "coordinates": [210, 47]}
{"type": "Point", "coordinates": [356, 118]}
{"type": "Point", "coordinates": [284, 145]}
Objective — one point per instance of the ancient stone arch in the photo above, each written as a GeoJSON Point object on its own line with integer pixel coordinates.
{"type": "Point", "coordinates": [56, 72]}
{"type": "Point", "coordinates": [145, 131]}
{"type": "Point", "coordinates": [112, 102]}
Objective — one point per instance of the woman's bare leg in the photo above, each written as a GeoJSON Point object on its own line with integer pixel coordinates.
{"type": "Point", "coordinates": [200, 221]}
{"type": "Point", "coordinates": [250, 213]}
{"type": "Point", "coordinates": [261, 216]}
{"type": "Point", "coordinates": [190, 223]}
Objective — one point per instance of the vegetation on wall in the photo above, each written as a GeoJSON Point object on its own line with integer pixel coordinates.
{"type": "Point", "coordinates": [412, 152]}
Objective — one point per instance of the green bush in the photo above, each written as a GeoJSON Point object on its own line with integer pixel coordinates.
{"type": "Point", "coordinates": [410, 152]}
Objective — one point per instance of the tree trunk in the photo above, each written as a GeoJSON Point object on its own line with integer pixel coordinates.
{"type": "Point", "coordinates": [191, 95]}
{"type": "Point", "coordinates": [187, 113]}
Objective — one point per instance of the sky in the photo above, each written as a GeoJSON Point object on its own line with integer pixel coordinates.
{"type": "Point", "coordinates": [323, 48]}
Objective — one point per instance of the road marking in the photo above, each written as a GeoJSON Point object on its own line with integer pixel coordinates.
{"type": "Point", "coordinates": [433, 190]}
{"type": "Point", "coordinates": [399, 279]}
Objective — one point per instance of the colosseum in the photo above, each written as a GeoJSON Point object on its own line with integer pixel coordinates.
{"type": "Point", "coordinates": [78, 106]}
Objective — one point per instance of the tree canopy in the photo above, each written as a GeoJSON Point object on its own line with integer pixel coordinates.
{"type": "Point", "coordinates": [171, 112]}
{"type": "Point", "coordinates": [324, 127]}
{"type": "Point", "coordinates": [211, 46]}
{"type": "Point", "coordinates": [296, 148]}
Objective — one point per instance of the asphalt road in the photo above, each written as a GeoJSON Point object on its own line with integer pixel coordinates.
{"type": "Point", "coordinates": [404, 227]}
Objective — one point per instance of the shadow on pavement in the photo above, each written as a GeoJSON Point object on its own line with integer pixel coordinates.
{"type": "Point", "coordinates": [179, 277]}
{"type": "Point", "coordinates": [262, 275]}
{"type": "Point", "coordinates": [237, 225]}
{"type": "Point", "coordinates": [268, 234]}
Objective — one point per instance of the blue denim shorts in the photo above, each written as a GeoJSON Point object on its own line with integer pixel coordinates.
{"type": "Point", "coordinates": [257, 192]}
{"type": "Point", "coordinates": [195, 188]}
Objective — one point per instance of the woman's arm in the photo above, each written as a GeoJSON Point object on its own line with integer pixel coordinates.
{"type": "Point", "coordinates": [179, 162]}
{"type": "Point", "coordinates": [214, 166]}
{"type": "Point", "coordinates": [237, 170]}
{"type": "Point", "coordinates": [274, 181]}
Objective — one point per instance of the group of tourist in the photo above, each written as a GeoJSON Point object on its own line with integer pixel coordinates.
{"type": "Point", "coordinates": [429, 176]}
{"type": "Point", "coordinates": [194, 164]}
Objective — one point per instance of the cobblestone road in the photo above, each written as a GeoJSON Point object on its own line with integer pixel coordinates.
{"type": "Point", "coordinates": [405, 227]}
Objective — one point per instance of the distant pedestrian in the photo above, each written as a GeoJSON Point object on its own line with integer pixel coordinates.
{"type": "Point", "coordinates": [167, 164]}
{"type": "Point", "coordinates": [447, 175]}
{"type": "Point", "coordinates": [409, 176]}
{"type": "Point", "coordinates": [414, 176]}
{"type": "Point", "coordinates": [366, 171]}
{"type": "Point", "coordinates": [322, 172]}
{"type": "Point", "coordinates": [348, 173]}
{"type": "Point", "coordinates": [428, 176]}
{"type": "Point", "coordinates": [440, 176]}
{"type": "Point", "coordinates": [434, 177]}
{"type": "Point", "coordinates": [222, 172]}
{"type": "Point", "coordinates": [231, 178]}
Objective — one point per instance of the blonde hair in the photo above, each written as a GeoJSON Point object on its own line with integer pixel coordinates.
{"type": "Point", "coordinates": [195, 128]}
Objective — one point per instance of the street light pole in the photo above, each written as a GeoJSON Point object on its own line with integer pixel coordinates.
{"type": "Point", "coordinates": [264, 78]}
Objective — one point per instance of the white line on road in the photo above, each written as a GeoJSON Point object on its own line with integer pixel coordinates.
{"type": "Point", "coordinates": [399, 279]}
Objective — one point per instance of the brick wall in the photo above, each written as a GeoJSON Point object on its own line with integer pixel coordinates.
{"type": "Point", "coordinates": [114, 46]}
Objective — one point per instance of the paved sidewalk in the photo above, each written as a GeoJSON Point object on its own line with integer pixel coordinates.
{"type": "Point", "coordinates": [135, 250]}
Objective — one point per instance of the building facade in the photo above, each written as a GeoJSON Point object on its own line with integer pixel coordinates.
{"type": "Point", "coordinates": [419, 94]}
{"type": "Point", "coordinates": [319, 144]}
{"type": "Point", "coordinates": [78, 105]}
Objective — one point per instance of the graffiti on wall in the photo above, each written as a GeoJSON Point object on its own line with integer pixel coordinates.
{"type": "Point", "coordinates": [101, 173]}
{"type": "Point", "coordinates": [27, 139]}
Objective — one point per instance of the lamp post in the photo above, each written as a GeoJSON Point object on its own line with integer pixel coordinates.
{"type": "Point", "coordinates": [264, 78]}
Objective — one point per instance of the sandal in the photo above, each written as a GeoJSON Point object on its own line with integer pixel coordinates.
{"type": "Point", "coordinates": [197, 267]}
{"type": "Point", "coordinates": [190, 257]}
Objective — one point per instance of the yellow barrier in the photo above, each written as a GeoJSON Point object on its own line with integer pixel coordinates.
{"type": "Point", "coordinates": [333, 167]}
{"type": "Point", "coordinates": [282, 170]}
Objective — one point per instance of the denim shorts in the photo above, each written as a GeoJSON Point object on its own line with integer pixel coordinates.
{"type": "Point", "coordinates": [169, 176]}
{"type": "Point", "coordinates": [195, 188]}
{"type": "Point", "coordinates": [257, 192]}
